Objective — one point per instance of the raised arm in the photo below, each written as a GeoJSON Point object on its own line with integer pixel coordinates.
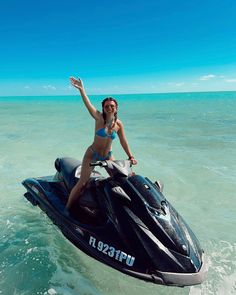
{"type": "Point", "coordinates": [124, 143]}
{"type": "Point", "coordinates": [77, 83]}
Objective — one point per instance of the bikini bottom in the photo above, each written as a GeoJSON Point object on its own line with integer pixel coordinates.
{"type": "Point", "coordinates": [97, 157]}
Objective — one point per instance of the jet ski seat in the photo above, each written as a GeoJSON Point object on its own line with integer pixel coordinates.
{"type": "Point", "coordinates": [66, 168]}
{"type": "Point", "coordinates": [69, 170]}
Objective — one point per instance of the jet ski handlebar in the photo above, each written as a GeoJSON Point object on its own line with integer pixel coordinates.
{"type": "Point", "coordinates": [117, 167]}
{"type": "Point", "coordinates": [107, 163]}
{"type": "Point", "coordinates": [99, 163]}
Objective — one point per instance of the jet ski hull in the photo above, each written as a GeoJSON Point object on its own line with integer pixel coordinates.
{"type": "Point", "coordinates": [99, 238]}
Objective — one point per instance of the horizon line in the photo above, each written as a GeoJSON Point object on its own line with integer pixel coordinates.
{"type": "Point", "coordinates": [134, 93]}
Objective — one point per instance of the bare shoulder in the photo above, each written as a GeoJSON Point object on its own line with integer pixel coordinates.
{"type": "Point", "coordinates": [119, 122]}
{"type": "Point", "coordinates": [120, 126]}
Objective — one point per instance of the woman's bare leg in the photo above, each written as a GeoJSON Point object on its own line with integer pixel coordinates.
{"type": "Point", "coordinates": [84, 177]}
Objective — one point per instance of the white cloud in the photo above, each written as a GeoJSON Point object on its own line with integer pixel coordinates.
{"type": "Point", "coordinates": [49, 87]}
{"type": "Point", "coordinates": [153, 86]}
{"type": "Point", "coordinates": [194, 84]}
{"type": "Point", "coordinates": [179, 84]}
{"type": "Point", "coordinates": [207, 77]}
{"type": "Point", "coordinates": [176, 84]}
{"type": "Point", "coordinates": [230, 80]}
{"type": "Point", "coordinates": [68, 88]}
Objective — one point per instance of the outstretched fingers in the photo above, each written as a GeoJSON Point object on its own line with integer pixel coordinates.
{"type": "Point", "coordinates": [76, 82]}
{"type": "Point", "coordinates": [73, 80]}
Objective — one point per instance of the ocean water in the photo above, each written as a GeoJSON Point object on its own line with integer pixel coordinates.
{"type": "Point", "coordinates": [186, 140]}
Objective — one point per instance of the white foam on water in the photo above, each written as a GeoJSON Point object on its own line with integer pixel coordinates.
{"type": "Point", "coordinates": [221, 279]}
{"type": "Point", "coordinates": [51, 291]}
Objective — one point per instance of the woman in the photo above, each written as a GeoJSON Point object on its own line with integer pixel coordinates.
{"type": "Point", "coordinates": [107, 127]}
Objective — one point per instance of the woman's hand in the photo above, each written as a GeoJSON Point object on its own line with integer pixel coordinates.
{"type": "Point", "coordinates": [77, 83]}
{"type": "Point", "coordinates": [133, 161]}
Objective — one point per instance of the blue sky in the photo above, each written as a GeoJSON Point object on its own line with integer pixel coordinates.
{"type": "Point", "coordinates": [117, 46]}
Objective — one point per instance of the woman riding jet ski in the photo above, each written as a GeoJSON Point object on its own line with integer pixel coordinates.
{"type": "Point", "coordinates": [122, 220]}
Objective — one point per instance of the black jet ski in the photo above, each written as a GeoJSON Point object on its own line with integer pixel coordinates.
{"type": "Point", "coordinates": [122, 220]}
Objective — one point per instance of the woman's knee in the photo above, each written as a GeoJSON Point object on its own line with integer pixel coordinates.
{"type": "Point", "coordinates": [86, 171]}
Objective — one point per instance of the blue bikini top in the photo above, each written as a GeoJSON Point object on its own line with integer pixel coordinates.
{"type": "Point", "coordinates": [102, 133]}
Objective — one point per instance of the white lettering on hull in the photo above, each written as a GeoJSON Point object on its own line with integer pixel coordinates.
{"type": "Point", "coordinates": [111, 251]}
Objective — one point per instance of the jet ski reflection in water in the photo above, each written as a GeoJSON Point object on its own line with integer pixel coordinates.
{"type": "Point", "coordinates": [122, 220]}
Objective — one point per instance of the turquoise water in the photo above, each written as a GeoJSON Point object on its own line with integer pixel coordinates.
{"type": "Point", "coordinates": [187, 140]}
